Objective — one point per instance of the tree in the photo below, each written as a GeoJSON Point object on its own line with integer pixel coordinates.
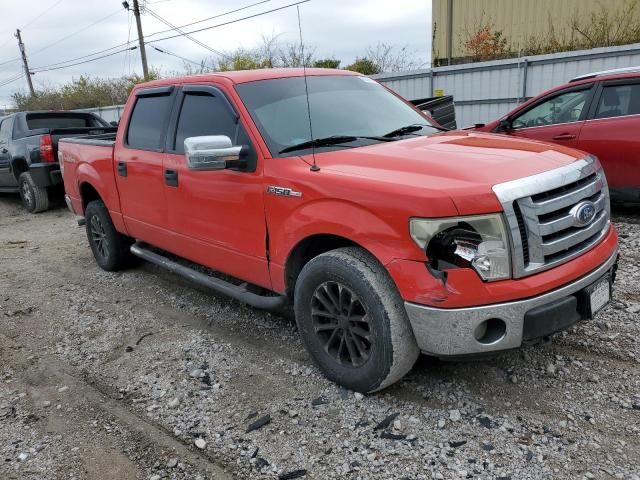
{"type": "Point", "coordinates": [390, 58]}
{"type": "Point", "coordinates": [327, 63]}
{"type": "Point", "coordinates": [486, 43]}
{"type": "Point", "coordinates": [364, 65]}
{"type": "Point", "coordinates": [82, 92]}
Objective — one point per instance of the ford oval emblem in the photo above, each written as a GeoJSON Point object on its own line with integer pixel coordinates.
{"type": "Point", "coordinates": [583, 213]}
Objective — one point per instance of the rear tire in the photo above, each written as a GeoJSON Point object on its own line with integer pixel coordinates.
{"type": "Point", "coordinates": [110, 248]}
{"type": "Point", "coordinates": [35, 199]}
{"type": "Point", "coordinates": [352, 320]}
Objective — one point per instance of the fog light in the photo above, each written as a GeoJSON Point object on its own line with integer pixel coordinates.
{"type": "Point", "coordinates": [490, 331]}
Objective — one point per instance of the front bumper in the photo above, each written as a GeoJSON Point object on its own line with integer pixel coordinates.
{"type": "Point", "coordinates": [45, 174]}
{"type": "Point", "coordinates": [451, 332]}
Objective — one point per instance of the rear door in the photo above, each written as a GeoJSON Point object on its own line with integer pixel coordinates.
{"type": "Point", "coordinates": [556, 118]}
{"type": "Point", "coordinates": [612, 132]}
{"type": "Point", "coordinates": [6, 178]}
{"type": "Point", "coordinates": [138, 166]}
{"type": "Point", "coordinates": [217, 216]}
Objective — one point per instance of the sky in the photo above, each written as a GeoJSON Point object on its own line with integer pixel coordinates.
{"type": "Point", "coordinates": [334, 28]}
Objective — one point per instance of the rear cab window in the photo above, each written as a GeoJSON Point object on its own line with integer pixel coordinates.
{"type": "Point", "coordinates": [147, 123]}
{"type": "Point", "coordinates": [62, 120]}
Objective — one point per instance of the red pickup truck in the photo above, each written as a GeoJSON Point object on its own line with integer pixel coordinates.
{"type": "Point", "coordinates": [330, 195]}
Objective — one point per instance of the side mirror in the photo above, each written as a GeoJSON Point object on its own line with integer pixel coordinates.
{"type": "Point", "coordinates": [212, 152]}
{"type": "Point", "coordinates": [113, 123]}
{"type": "Point", "coordinates": [504, 125]}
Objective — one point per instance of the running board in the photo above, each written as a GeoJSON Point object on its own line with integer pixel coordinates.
{"type": "Point", "coordinates": [238, 292]}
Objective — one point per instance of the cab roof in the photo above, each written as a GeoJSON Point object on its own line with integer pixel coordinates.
{"type": "Point", "coordinates": [244, 76]}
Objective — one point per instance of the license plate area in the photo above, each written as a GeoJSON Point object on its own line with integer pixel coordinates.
{"type": "Point", "coordinates": [596, 296]}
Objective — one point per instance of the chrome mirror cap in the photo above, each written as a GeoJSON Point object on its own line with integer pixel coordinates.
{"type": "Point", "coordinates": [210, 152]}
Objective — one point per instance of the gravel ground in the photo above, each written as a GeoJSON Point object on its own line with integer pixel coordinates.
{"type": "Point", "coordinates": [139, 374]}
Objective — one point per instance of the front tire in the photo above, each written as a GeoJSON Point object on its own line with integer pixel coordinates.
{"type": "Point", "coordinates": [352, 320]}
{"type": "Point", "coordinates": [34, 199]}
{"type": "Point", "coordinates": [110, 248]}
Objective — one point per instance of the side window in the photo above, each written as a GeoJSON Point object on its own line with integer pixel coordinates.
{"type": "Point", "coordinates": [564, 108]}
{"type": "Point", "coordinates": [619, 100]}
{"type": "Point", "coordinates": [5, 131]}
{"type": "Point", "coordinates": [147, 121]}
{"type": "Point", "coordinates": [203, 114]}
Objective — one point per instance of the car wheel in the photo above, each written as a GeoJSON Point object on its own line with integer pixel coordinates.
{"type": "Point", "coordinates": [35, 199]}
{"type": "Point", "coordinates": [352, 320]}
{"type": "Point", "coordinates": [110, 248]}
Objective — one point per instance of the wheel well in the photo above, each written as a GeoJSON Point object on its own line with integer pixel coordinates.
{"type": "Point", "coordinates": [307, 249]}
{"type": "Point", "coordinates": [88, 194]}
{"type": "Point", "coordinates": [19, 166]}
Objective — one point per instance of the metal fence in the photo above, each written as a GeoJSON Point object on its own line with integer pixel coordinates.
{"type": "Point", "coordinates": [110, 114]}
{"type": "Point", "coordinates": [485, 91]}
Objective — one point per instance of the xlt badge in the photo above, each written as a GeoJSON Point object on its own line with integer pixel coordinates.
{"type": "Point", "coordinates": [283, 191]}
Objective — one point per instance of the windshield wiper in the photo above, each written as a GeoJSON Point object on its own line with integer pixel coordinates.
{"type": "Point", "coordinates": [407, 129]}
{"type": "Point", "coordinates": [328, 141]}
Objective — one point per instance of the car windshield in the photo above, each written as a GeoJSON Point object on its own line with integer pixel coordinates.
{"type": "Point", "coordinates": [340, 106]}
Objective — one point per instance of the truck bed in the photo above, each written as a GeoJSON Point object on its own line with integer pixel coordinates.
{"type": "Point", "coordinates": [103, 139]}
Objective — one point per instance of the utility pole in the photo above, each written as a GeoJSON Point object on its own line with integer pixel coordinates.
{"type": "Point", "coordinates": [24, 61]}
{"type": "Point", "coordinates": [143, 53]}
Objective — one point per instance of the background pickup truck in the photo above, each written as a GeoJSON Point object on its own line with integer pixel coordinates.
{"type": "Point", "coordinates": [29, 148]}
{"type": "Point", "coordinates": [328, 194]}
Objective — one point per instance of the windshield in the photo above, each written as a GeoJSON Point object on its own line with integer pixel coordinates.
{"type": "Point", "coordinates": [340, 105]}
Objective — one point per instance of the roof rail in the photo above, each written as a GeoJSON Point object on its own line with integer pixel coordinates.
{"type": "Point", "coordinates": [606, 72]}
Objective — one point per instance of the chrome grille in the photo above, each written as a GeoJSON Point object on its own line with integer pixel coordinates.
{"type": "Point", "coordinates": [538, 213]}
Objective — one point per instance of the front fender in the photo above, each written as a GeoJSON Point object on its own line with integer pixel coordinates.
{"type": "Point", "coordinates": [385, 239]}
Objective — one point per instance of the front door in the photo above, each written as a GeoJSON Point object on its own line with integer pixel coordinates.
{"type": "Point", "coordinates": [138, 167]}
{"type": "Point", "coordinates": [217, 216]}
{"type": "Point", "coordinates": [557, 118]}
{"type": "Point", "coordinates": [6, 178]}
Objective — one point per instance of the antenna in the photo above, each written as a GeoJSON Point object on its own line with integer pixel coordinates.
{"type": "Point", "coordinates": [314, 167]}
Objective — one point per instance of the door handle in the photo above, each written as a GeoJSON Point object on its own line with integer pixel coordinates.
{"type": "Point", "coordinates": [122, 168]}
{"type": "Point", "coordinates": [171, 178]}
{"type": "Point", "coordinates": [565, 136]}
{"type": "Point", "coordinates": [4, 150]}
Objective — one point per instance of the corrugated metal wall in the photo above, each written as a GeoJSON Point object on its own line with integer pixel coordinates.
{"type": "Point", "coordinates": [110, 114]}
{"type": "Point", "coordinates": [517, 19]}
{"type": "Point", "coordinates": [485, 91]}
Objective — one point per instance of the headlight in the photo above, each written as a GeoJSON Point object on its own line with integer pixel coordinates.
{"type": "Point", "coordinates": [479, 242]}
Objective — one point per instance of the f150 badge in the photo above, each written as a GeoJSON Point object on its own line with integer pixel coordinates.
{"type": "Point", "coordinates": [283, 191]}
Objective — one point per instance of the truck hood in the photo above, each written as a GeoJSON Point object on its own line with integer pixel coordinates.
{"type": "Point", "coordinates": [465, 164]}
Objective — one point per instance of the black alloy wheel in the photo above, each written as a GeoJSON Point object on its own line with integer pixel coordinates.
{"type": "Point", "coordinates": [341, 321]}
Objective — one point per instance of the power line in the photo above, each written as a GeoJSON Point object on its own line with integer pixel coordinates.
{"type": "Point", "coordinates": [77, 31]}
{"type": "Point", "coordinates": [126, 54]}
{"type": "Point", "coordinates": [211, 18]}
{"type": "Point", "coordinates": [80, 58]}
{"type": "Point", "coordinates": [11, 80]}
{"type": "Point", "coordinates": [66, 63]}
{"type": "Point", "coordinates": [64, 38]}
{"type": "Point", "coordinates": [42, 13]}
{"type": "Point", "coordinates": [178, 29]}
{"type": "Point", "coordinates": [86, 61]}
{"type": "Point", "coordinates": [166, 52]}
{"type": "Point", "coordinates": [232, 21]}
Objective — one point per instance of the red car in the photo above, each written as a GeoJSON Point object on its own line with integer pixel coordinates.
{"type": "Point", "coordinates": [598, 113]}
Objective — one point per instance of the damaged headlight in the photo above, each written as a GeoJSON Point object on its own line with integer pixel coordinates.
{"type": "Point", "coordinates": [479, 242]}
